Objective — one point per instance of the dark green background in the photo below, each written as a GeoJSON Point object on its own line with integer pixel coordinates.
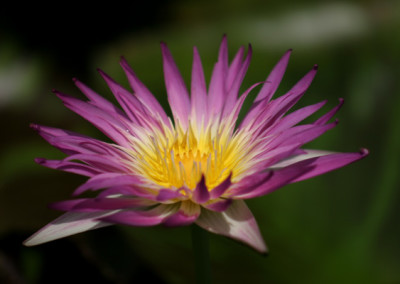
{"type": "Point", "coordinates": [338, 228]}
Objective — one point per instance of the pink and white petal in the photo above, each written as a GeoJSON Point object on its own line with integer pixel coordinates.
{"type": "Point", "coordinates": [178, 96]}
{"type": "Point", "coordinates": [327, 163]}
{"type": "Point", "coordinates": [143, 218]}
{"type": "Point", "coordinates": [70, 223]}
{"type": "Point", "coordinates": [188, 213]}
{"type": "Point", "coordinates": [198, 89]}
{"type": "Point", "coordinates": [307, 154]}
{"type": "Point", "coordinates": [237, 222]}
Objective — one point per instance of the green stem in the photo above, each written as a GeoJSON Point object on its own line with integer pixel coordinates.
{"type": "Point", "coordinates": [201, 253]}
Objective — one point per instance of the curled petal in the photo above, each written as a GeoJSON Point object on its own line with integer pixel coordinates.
{"type": "Point", "coordinates": [188, 213]}
{"type": "Point", "coordinates": [237, 222]}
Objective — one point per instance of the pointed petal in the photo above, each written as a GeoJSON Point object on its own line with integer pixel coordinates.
{"type": "Point", "coordinates": [70, 223]}
{"type": "Point", "coordinates": [237, 222]}
{"type": "Point", "coordinates": [275, 77]}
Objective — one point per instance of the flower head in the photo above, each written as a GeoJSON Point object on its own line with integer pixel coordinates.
{"type": "Point", "coordinates": [197, 167]}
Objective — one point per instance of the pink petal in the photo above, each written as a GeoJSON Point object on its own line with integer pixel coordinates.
{"type": "Point", "coordinates": [237, 222]}
{"type": "Point", "coordinates": [70, 223]}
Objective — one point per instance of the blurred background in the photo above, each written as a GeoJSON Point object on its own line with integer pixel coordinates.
{"type": "Point", "coordinates": [342, 227]}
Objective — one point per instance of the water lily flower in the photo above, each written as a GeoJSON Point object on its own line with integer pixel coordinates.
{"type": "Point", "coordinates": [198, 166]}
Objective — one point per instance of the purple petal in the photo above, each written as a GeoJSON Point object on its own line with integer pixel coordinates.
{"type": "Point", "coordinates": [114, 127]}
{"type": "Point", "coordinates": [102, 162]}
{"type": "Point", "coordinates": [218, 205]}
{"type": "Point", "coordinates": [186, 215]}
{"type": "Point", "coordinates": [129, 103]}
{"type": "Point", "coordinates": [100, 204]}
{"type": "Point", "coordinates": [267, 114]}
{"type": "Point", "coordinates": [70, 167]}
{"type": "Point", "coordinates": [200, 193]}
{"type": "Point", "coordinates": [178, 96]}
{"type": "Point", "coordinates": [268, 90]}
{"type": "Point", "coordinates": [237, 222]}
{"type": "Point", "coordinates": [275, 77]}
{"type": "Point", "coordinates": [70, 223]}
{"type": "Point", "coordinates": [296, 117]}
{"type": "Point", "coordinates": [325, 118]}
{"type": "Point", "coordinates": [107, 180]}
{"type": "Point", "coordinates": [150, 217]}
{"type": "Point", "coordinates": [96, 99]}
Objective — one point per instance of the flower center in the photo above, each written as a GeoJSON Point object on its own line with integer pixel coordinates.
{"type": "Point", "coordinates": [170, 157]}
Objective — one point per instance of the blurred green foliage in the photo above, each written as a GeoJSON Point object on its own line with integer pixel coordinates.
{"type": "Point", "coordinates": [338, 228]}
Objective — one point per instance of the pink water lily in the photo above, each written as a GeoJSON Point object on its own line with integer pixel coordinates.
{"type": "Point", "coordinates": [197, 167]}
